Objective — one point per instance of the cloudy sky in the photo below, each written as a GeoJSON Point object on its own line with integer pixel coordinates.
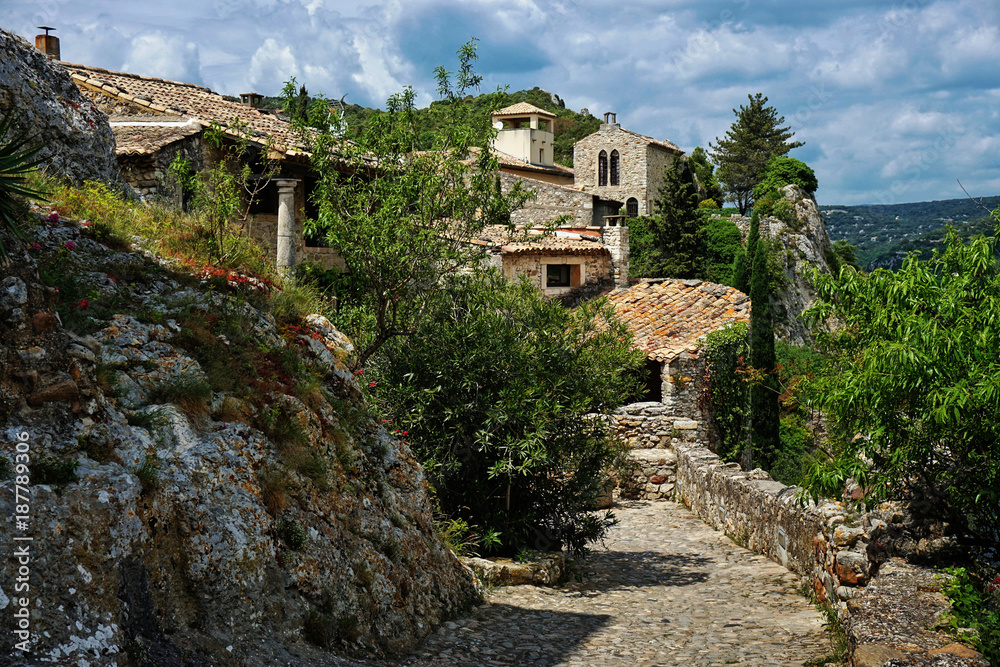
{"type": "Point", "coordinates": [896, 100]}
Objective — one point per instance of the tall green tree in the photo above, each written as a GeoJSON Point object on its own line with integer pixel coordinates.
{"type": "Point", "coordinates": [765, 440]}
{"type": "Point", "coordinates": [914, 372]}
{"type": "Point", "coordinates": [705, 172]}
{"type": "Point", "coordinates": [402, 219]}
{"type": "Point", "coordinates": [679, 229]}
{"type": "Point", "coordinates": [742, 155]}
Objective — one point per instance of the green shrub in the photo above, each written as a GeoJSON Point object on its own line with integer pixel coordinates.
{"type": "Point", "coordinates": [781, 171]}
{"type": "Point", "coordinates": [293, 534]}
{"type": "Point", "coordinates": [973, 617]}
{"type": "Point", "coordinates": [493, 397]}
{"type": "Point", "coordinates": [188, 391]}
{"type": "Point", "coordinates": [725, 353]}
{"type": "Point", "coordinates": [148, 473]}
{"type": "Point", "coordinates": [48, 470]}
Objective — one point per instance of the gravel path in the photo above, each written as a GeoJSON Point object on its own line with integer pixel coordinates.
{"type": "Point", "coordinates": [666, 590]}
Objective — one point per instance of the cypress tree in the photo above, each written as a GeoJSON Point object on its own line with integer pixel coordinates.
{"type": "Point", "coordinates": [764, 419]}
{"type": "Point", "coordinates": [743, 264]}
{"type": "Point", "coordinates": [740, 276]}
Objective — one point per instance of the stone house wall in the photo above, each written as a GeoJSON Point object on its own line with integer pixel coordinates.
{"type": "Point", "coordinates": [593, 268]}
{"type": "Point", "coordinates": [641, 166]}
{"type": "Point", "coordinates": [551, 202]}
{"type": "Point", "coordinates": [150, 175]}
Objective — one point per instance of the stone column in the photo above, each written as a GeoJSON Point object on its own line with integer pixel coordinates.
{"type": "Point", "coordinates": [616, 240]}
{"type": "Point", "coordinates": [286, 227]}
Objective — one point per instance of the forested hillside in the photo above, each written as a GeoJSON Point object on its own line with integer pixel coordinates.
{"type": "Point", "coordinates": [878, 231]}
{"type": "Point", "coordinates": [569, 128]}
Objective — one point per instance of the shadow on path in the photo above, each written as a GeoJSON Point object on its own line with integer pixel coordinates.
{"type": "Point", "coordinates": [511, 635]}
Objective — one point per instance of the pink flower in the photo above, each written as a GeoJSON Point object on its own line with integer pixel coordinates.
{"type": "Point", "coordinates": [69, 245]}
{"type": "Point", "coordinates": [53, 217]}
{"type": "Point", "coordinates": [36, 246]}
{"type": "Point", "coordinates": [82, 304]}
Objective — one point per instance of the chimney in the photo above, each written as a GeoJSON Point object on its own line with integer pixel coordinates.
{"type": "Point", "coordinates": [47, 44]}
{"type": "Point", "coordinates": [252, 100]}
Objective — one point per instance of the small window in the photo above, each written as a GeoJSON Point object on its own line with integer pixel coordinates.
{"type": "Point", "coordinates": [632, 207]}
{"type": "Point", "coordinates": [541, 156]}
{"type": "Point", "coordinates": [557, 275]}
{"type": "Point", "coordinates": [614, 167]}
{"type": "Point", "coordinates": [602, 168]}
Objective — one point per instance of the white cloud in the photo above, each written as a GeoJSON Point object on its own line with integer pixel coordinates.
{"type": "Point", "coordinates": [165, 56]}
{"type": "Point", "coordinates": [271, 65]}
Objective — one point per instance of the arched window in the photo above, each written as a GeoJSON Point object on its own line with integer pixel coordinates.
{"type": "Point", "coordinates": [602, 168]}
{"type": "Point", "coordinates": [632, 207]}
{"type": "Point", "coordinates": [614, 167]}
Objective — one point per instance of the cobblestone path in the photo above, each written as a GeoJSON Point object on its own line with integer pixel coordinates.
{"type": "Point", "coordinates": [667, 590]}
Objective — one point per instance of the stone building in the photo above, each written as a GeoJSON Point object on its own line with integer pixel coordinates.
{"type": "Point", "coordinates": [670, 319]}
{"type": "Point", "coordinates": [559, 262]}
{"type": "Point", "coordinates": [156, 119]}
{"type": "Point", "coordinates": [622, 165]}
{"type": "Point", "coordinates": [524, 150]}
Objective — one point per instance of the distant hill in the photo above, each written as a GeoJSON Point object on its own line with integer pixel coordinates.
{"type": "Point", "coordinates": [569, 127]}
{"type": "Point", "coordinates": [882, 230]}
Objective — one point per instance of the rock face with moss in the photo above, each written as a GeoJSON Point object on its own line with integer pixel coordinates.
{"type": "Point", "coordinates": [207, 486]}
{"type": "Point", "coordinates": [800, 244]}
{"type": "Point", "coordinates": [75, 136]}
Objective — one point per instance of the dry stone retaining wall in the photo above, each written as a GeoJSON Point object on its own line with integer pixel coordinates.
{"type": "Point", "coordinates": [890, 607]}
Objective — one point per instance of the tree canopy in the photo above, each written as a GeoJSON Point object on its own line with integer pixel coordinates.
{"type": "Point", "coordinates": [705, 171]}
{"type": "Point", "coordinates": [742, 155]}
{"type": "Point", "coordinates": [913, 387]}
{"type": "Point", "coordinates": [400, 218]}
{"type": "Point", "coordinates": [781, 171]}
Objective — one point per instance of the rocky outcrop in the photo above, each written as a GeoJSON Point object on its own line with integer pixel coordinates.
{"type": "Point", "coordinates": [803, 246]}
{"type": "Point", "coordinates": [76, 139]}
{"type": "Point", "coordinates": [199, 527]}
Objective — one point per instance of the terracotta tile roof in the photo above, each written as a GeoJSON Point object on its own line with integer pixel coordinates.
{"type": "Point", "coordinates": [149, 139]}
{"type": "Point", "coordinates": [523, 109]}
{"type": "Point", "coordinates": [539, 241]}
{"type": "Point", "coordinates": [668, 316]}
{"type": "Point", "coordinates": [173, 98]}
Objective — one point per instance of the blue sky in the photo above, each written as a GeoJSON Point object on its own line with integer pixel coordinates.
{"type": "Point", "coordinates": [896, 100]}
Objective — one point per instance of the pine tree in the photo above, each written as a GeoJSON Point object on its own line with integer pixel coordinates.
{"type": "Point", "coordinates": [764, 419]}
{"type": "Point", "coordinates": [750, 142]}
{"type": "Point", "coordinates": [679, 231]}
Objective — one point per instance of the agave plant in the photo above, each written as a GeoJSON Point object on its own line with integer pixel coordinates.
{"type": "Point", "coordinates": [18, 158]}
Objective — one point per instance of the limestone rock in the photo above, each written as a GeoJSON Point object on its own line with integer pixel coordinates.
{"type": "Point", "coordinates": [194, 537]}
{"type": "Point", "coordinates": [805, 246]}
{"type": "Point", "coordinates": [75, 135]}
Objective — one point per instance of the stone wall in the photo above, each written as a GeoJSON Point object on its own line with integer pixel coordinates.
{"type": "Point", "coordinates": [551, 201]}
{"type": "Point", "coordinates": [150, 175]}
{"type": "Point", "coordinates": [890, 607]}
